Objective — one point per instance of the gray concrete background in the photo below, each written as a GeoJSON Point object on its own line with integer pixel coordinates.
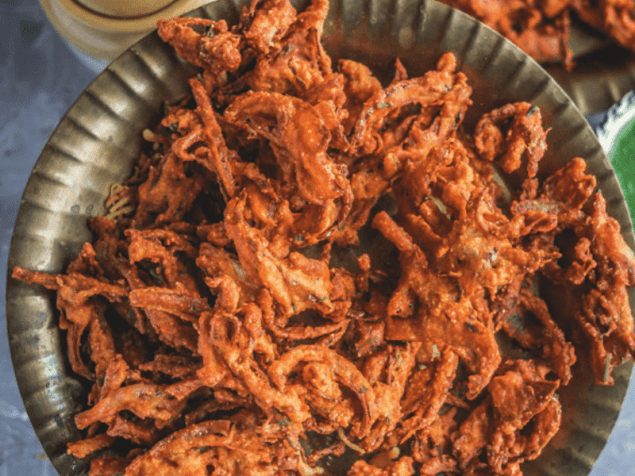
{"type": "Point", "coordinates": [39, 80]}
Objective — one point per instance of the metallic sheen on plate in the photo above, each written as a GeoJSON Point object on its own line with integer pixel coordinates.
{"type": "Point", "coordinates": [99, 139]}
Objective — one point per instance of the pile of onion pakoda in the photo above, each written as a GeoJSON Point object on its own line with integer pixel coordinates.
{"type": "Point", "coordinates": [231, 323]}
{"type": "Point", "coordinates": [541, 28]}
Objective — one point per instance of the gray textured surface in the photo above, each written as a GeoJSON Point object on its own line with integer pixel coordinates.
{"type": "Point", "coordinates": [39, 80]}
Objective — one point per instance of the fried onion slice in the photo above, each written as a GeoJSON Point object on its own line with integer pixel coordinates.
{"type": "Point", "coordinates": [307, 264]}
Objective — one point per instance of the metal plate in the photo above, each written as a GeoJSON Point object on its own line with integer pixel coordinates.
{"type": "Point", "coordinates": [599, 80]}
{"type": "Point", "coordinates": [604, 71]}
{"type": "Point", "coordinates": [98, 140]}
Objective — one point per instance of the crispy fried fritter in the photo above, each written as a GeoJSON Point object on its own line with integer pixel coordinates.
{"type": "Point", "coordinates": [541, 28]}
{"type": "Point", "coordinates": [229, 325]}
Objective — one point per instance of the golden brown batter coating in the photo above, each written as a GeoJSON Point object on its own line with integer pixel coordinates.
{"type": "Point", "coordinates": [229, 325]}
{"type": "Point", "coordinates": [541, 27]}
